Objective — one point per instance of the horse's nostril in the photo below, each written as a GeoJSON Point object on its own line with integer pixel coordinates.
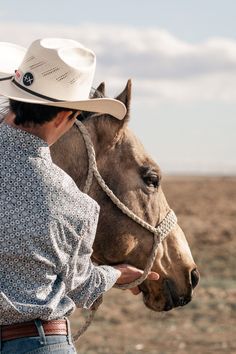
{"type": "Point", "coordinates": [195, 277]}
{"type": "Point", "coordinates": [182, 301]}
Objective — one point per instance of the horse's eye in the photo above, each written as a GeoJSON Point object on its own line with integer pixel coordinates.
{"type": "Point", "coordinates": [152, 180]}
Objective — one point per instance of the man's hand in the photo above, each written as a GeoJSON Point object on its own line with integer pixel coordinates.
{"type": "Point", "coordinates": [130, 273]}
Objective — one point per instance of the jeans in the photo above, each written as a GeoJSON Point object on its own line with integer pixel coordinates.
{"type": "Point", "coordinates": [42, 344]}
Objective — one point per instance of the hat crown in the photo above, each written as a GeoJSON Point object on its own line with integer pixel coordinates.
{"type": "Point", "coordinates": [62, 69]}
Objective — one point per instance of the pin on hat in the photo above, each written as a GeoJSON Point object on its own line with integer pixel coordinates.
{"type": "Point", "coordinates": [55, 72]}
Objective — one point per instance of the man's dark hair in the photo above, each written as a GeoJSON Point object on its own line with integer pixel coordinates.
{"type": "Point", "coordinates": [28, 114]}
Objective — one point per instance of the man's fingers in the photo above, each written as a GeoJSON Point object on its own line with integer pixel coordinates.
{"type": "Point", "coordinates": [130, 273]}
{"type": "Point", "coordinates": [135, 291]}
{"type": "Point", "coordinates": [153, 276]}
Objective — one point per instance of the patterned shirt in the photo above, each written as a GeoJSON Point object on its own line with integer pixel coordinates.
{"type": "Point", "coordinates": [47, 228]}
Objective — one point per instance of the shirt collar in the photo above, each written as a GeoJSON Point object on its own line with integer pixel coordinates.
{"type": "Point", "coordinates": [25, 142]}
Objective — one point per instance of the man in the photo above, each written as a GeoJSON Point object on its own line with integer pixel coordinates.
{"type": "Point", "coordinates": [47, 224]}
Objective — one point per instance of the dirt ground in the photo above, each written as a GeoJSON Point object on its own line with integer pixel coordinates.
{"type": "Point", "coordinates": [206, 209]}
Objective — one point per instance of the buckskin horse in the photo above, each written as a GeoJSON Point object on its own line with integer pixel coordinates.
{"type": "Point", "coordinates": [135, 179]}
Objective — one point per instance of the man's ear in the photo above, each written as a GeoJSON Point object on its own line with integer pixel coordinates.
{"type": "Point", "coordinates": [62, 117]}
{"type": "Point", "coordinates": [74, 115]}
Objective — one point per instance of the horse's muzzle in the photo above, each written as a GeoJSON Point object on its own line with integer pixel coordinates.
{"type": "Point", "coordinates": [173, 299]}
{"type": "Point", "coordinates": [166, 295]}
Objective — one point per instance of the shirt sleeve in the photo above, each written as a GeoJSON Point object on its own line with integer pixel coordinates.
{"type": "Point", "coordinates": [86, 282]}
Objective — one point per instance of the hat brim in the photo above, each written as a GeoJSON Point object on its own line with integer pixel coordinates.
{"type": "Point", "coordinates": [11, 56]}
{"type": "Point", "coordinates": [98, 105]}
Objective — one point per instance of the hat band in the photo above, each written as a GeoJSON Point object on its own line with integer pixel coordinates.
{"type": "Point", "coordinates": [34, 93]}
{"type": "Point", "coordinates": [5, 78]}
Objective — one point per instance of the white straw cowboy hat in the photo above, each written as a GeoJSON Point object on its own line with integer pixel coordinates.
{"type": "Point", "coordinates": [55, 72]}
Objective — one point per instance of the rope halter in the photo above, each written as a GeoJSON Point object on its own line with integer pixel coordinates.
{"type": "Point", "coordinates": [159, 232]}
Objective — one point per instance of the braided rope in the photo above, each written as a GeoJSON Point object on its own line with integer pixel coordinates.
{"type": "Point", "coordinates": [89, 319]}
{"type": "Point", "coordinates": [159, 232]}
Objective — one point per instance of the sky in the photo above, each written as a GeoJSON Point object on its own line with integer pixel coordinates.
{"type": "Point", "coordinates": [181, 56]}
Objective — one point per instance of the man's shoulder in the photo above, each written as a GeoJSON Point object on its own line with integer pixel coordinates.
{"type": "Point", "coordinates": [59, 181]}
{"type": "Point", "coordinates": [65, 194]}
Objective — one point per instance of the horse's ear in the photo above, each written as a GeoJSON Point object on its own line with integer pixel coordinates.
{"type": "Point", "coordinates": [100, 91]}
{"type": "Point", "coordinates": [125, 97]}
{"type": "Point", "coordinates": [109, 129]}
{"type": "Point", "coordinates": [116, 126]}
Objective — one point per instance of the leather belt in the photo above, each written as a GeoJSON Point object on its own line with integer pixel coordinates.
{"type": "Point", "coordinates": [29, 329]}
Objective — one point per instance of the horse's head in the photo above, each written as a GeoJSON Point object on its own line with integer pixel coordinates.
{"type": "Point", "coordinates": [135, 179]}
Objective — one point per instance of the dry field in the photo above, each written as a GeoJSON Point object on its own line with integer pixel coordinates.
{"type": "Point", "coordinates": [206, 208]}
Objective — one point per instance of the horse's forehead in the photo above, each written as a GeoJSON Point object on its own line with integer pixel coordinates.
{"type": "Point", "coordinates": [134, 149]}
{"type": "Point", "coordinates": [132, 143]}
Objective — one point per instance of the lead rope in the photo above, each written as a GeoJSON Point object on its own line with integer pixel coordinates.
{"type": "Point", "coordinates": [159, 232]}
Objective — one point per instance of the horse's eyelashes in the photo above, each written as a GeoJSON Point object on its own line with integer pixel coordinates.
{"type": "Point", "coordinates": [152, 180]}
{"type": "Point", "coordinates": [150, 177]}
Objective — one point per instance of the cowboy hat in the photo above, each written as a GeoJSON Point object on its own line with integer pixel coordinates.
{"type": "Point", "coordinates": [55, 72]}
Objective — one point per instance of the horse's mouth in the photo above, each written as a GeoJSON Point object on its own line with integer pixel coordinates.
{"type": "Point", "coordinates": [167, 302]}
{"type": "Point", "coordinates": [150, 301]}
{"type": "Point", "coordinates": [172, 298]}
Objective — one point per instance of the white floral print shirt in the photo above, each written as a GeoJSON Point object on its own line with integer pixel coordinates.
{"type": "Point", "coordinates": [47, 228]}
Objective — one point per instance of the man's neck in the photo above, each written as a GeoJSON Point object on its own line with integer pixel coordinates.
{"type": "Point", "coordinates": [41, 131]}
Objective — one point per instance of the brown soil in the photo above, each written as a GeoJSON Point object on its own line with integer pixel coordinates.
{"type": "Point", "coordinates": [206, 209]}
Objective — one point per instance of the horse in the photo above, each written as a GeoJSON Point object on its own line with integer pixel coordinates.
{"type": "Point", "coordinates": [135, 178]}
